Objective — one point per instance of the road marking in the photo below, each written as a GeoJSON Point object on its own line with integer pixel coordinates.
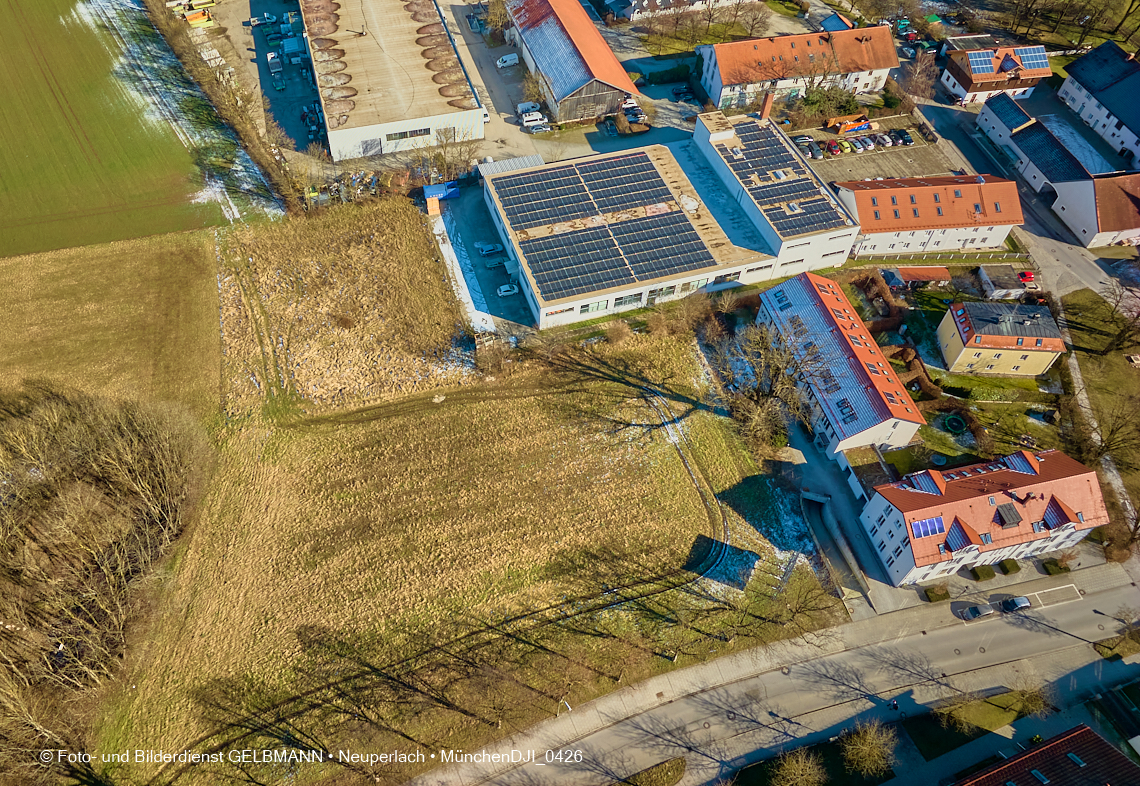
{"type": "Point", "coordinates": [1057, 595]}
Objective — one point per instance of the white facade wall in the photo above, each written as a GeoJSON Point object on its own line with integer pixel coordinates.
{"type": "Point", "coordinates": [979, 96]}
{"type": "Point", "coordinates": [729, 96]}
{"type": "Point", "coordinates": [381, 138]}
{"type": "Point", "coordinates": [638, 9]}
{"type": "Point", "coordinates": [885, 526]}
{"type": "Point", "coordinates": [1000, 136]}
{"type": "Point", "coordinates": [932, 240]}
{"type": "Point", "coordinates": [1100, 119]}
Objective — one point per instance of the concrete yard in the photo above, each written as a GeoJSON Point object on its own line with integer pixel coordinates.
{"type": "Point", "coordinates": [921, 160]}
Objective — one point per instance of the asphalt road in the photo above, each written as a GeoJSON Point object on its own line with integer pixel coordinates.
{"type": "Point", "coordinates": [723, 728]}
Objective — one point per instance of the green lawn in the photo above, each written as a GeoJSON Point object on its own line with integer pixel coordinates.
{"type": "Point", "coordinates": [1107, 378]}
{"type": "Point", "coordinates": [81, 161]}
{"type": "Point", "coordinates": [986, 715]}
{"type": "Point", "coordinates": [784, 9]}
{"type": "Point", "coordinates": [1116, 648]}
{"type": "Point", "coordinates": [669, 43]}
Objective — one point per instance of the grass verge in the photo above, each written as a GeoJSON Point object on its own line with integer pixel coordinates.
{"type": "Point", "coordinates": [831, 756]}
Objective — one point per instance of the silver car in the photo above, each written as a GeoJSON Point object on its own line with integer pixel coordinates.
{"type": "Point", "coordinates": [977, 612]}
{"type": "Point", "coordinates": [883, 140]}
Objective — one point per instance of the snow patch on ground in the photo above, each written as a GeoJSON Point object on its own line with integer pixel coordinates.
{"type": "Point", "coordinates": [462, 272]}
{"type": "Point", "coordinates": [1077, 145]}
{"type": "Point", "coordinates": [152, 78]}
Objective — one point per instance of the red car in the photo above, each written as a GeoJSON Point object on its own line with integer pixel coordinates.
{"type": "Point", "coordinates": [1025, 276]}
{"type": "Point", "coordinates": [833, 148]}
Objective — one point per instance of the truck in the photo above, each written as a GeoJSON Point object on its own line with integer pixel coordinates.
{"type": "Point", "coordinates": [276, 69]}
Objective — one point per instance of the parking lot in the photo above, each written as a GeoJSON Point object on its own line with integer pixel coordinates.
{"type": "Point", "coordinates": [920, 160]}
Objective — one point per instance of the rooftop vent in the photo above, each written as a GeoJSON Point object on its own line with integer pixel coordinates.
{"type": "Point", "coordinates": [737, 152]}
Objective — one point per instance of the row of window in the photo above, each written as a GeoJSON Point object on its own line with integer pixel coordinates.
{"type": "Point", "coordinates": [407, 134]}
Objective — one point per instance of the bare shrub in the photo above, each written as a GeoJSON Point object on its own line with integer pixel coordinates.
{"type": "Point", "coordinates": [658, 323]}
{"type": "Point", "coordinates": [869, 748]}
{"type": "Point", "coordinates": [618, 332]}
{"type": "Point", "coordinates": [801, 767]}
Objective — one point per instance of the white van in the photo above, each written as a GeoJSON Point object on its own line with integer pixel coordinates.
{"type": "Point", "coordinates": [533, 119]}
{"type": "Point", "coordinates": [507, 60]}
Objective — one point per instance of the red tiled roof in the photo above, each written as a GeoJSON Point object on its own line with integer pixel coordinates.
{"type": "Point", "coordinates": [790, 56]}
{"type": "Point", "coordinates": [931, 194]}
{"type": "Point", "coordinates": [1077, 757]}
{"type": "Point", "coordinates": [925, 273]}
{"type": "Point", "coordinates": [1047, 486]}
{"type": "Point", "coordinates": [962, 60]}
{"type": "Point", "coordinates": [830, 296]}
{"type": "Point", "coordinates": [1117, 202]}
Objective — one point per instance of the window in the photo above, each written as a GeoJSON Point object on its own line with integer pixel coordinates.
{"type": "Point", "coordinates": [987, 538]}
{"type": "Point", "coordinates": [591, 307]}
{"type": "Point", "coordinates": [894, 200]}
{"type": "Point", "coordinates": [756, 269]}
{"type": "Point", "coordinates": [977, 339]}
{"type": "Point", "coordinates": [882, 545]}
{"type": "Point", "coordinates": [913, 201]}
{"type": "Point", "coordinates": [915, 210]}
{"type": "Point", "coordinates": [1020, 341]}
{"type": "Point", "coordinates": [957, 193]}
{"type": "Point", "coordinates": [990, 367]}
{"type": "Point", "coordinates": [876, 215]}
{"type": "Point", "coordinates": [627, 300]}
{"type": "Point", "coordinates": [896, 214]}
{"type": "Point", "coordinates": [890, 561]}
{"type": "Point", "coordinates": [977, 354]}
{"type": "Point", "coordinates": [993, 500]}
{"type": "Point", "coordinates": [939, 213]}
{"type": "Point", "coordinates": [1025, 357]}
{"type": "Point", "coordinates": [997, 207]}
{"type": "Point", "coordinates": [872, 369]}
{"type": "Point", "coordinates": [937, 199]}
{"type": "Point", "coordinates": [1037, 774]}
{"type": "Point", "coordinates": [874, 201]}
{"type": "Point", "coordinates": [898, 550]}
{"type": "Point", "coordinates": [855, 340]}
{"type": "Point", "coordinates": [1076, 760]}
{"type": "Point", "coordinates": [405, 134]}
{"type": "Point", "coordinates": [1038, 342]}
{"type": "Point", "coordinates": [559, 311]}
{"type": "Point", "coordinates": [811, 57]}
{"type": "Point", "coordinates": [727, 277]}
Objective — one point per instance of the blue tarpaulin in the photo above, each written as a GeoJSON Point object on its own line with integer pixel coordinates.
{"type": "Point", "coordinates": [442, 190]}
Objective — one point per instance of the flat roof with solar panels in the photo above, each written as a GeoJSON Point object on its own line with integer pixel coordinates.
{"type": "Point", "coordinates": [609, 222]}
{"type": "Point", "coordinates": [790, 196]}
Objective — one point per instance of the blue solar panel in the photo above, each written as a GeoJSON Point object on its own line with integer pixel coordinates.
{"type": "Point", "coordinates": [981, 62]}
{"type": "Point", "coordinates": [957, 539]}
{"type": "Point", "coordinates": [1032, 56]}
{"type": "Point", "coordinates": [928, 527]}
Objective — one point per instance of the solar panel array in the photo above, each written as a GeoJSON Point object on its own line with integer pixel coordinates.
{"type": "Point", "coordinates": [1032, 56]}
{"type": "Point", "coordinates": [763, 154]}
{"type": "Point", "coordinates": [981, 62]}
{"type": "Point", "coordinates": [925, 528]}
{"type": "Point", "coordinates": [619, 253]}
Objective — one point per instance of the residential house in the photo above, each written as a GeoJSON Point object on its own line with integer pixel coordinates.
{"type": "Point", "coordinates": [1103, 211]}
{"type": "Point", "coordinates": [578, 74]}
{"type": "Point", "coordinates": [1077, 757]}
{"type": "Point", "coordinates": [936, 522]}
{"type": "Point", "coordinates": [799, 218]}
{"type": "Point", "coordinates": [976, 75]}
{"type": "Point", "coordinates": [999, 338]}
{"type": "Point", "coordinates": [1030, 147]}
{"type": "Point", "coordinates": [918, 214]}
{"type": "Point", "coordinates": [1102, 87]}
{"type": "Point", "coordinates": [855, 396]}
{"type": "Point", "coordinates": [737, 74]}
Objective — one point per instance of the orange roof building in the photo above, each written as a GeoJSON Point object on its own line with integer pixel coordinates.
{"type": "Point", "coordinates": [580, 76]}
{"type": "Point", "coordinates": [999, 339]}
{"type": "Point", "coordinates": [917, 214]}
{"type": "Point", "coordinates": [1101, 211]}
{"type": "Point", "coordinates": [737, 74]}
{"type": "Point", "coordinates": [855, 396]}
{"type": "Point", "coordinates": [976, 75]}
{"type": "Point", "coordinates": [937, 522]}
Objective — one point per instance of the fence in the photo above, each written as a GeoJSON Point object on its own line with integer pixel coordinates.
{"type": "Point", "coordinates": [946, 258]}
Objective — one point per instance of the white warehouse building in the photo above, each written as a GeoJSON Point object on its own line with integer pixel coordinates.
{"type": "Point", "coordinates": [390, 79]}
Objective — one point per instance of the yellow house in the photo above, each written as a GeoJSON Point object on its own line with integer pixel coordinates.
{"type": "Point", "coordinates": [999, 338]}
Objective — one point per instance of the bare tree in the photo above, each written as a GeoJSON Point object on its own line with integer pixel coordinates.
{"type": "Point", "coordinates": [1123, 307]}
{"type": "Point", "coordinates": [952, 712]}
{"type": "Point", "coordinates": [1114, 431]}
{"type": "Point", "coordinates": [532, 88]}
{"type": "Point", "coordinates": [497, 17]}
{"type": "Point", "coordinates": [1130, 8]}
{"type": "Point", "coordinates": [801, 767]}
{"type": "Point", "coordinates": [1034, 696]}
{"type": "Point", "coordinates": [1089, 17]}
{"type": "Point", "coordinates": [920, 75]}
{"type": "Point", "coordinates": [755, 18]}
{"type": "Point", "coordinates": [711, 13]}
{"type": "Point", "coordinates": [869, 748]}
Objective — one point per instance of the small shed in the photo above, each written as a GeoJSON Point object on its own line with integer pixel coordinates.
{"type": "Point", "coordinates": [1000, 282]}
{"type": "Point", "coordinates": [442, 191]}
{"type": "Point", "coordinates": [925, 275]}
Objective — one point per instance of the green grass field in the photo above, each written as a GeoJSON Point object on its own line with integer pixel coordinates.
{"type": "Point", "coordinates": [80, 160]}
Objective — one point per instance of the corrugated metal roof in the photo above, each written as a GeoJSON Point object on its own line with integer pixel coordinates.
{"type": "Point", "coordinates": [510, 165]}
{"type": "Point", "coordinates": [1047, 153]}
{"type": "Point", "coordinates": [567, 48]}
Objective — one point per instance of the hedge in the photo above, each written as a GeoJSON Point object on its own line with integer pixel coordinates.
{"type": "Point", "coordinates": [983, 572]}
{"type": "Point", "coordinates": [937, 594]}
{"type": "Point", "coordinates": [675, 74]}
{"type": "Point", "coordinates": [1055, 568]}
{"type": "Point", "coordinates": [1010, 566]}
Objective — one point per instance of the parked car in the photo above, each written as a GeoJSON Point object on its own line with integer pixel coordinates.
{"type": "Point", "coordinates": [487, 249]}
{"type": "Point", "coordinates": [629, 103]}
{"type": "Point", "coordinates": [1025, 276]}
{"type": "Point", "coordinates": [802, 138]}
{"type": "Point", "coordinates": [907, 139]}
{"type": "Point", "coordinates": [681, 90]}
{"type": "Point", "coordinates": [264, 19]}
{"type": "Point", "coordinates": [526, 108]}
{"type": "Point", "coordinates": [810, 149]}
{"type": "Point", "coordinates": [609, 127]}
{"type": "Point", "coordinates": [868, 142]}
{"type": "Point", "coordinates": [858, 144]}
{"type": "Point", "coordinates": [896, 138]}
{"type": "Point", "coordinates": [845, 146]}
{"type": "Point", "coordinates": [833, 147]}
{"type": "Point", "coordinates": [541, 128]}
{"type": "Point", "coordinates": [506, 61]}
{"type": "Point", "coordinates": [495, 262]}
{"type": "Point", "coordinates": [977, 612]}
{"type": "Point", "coordinates": [506, 290]}
{"type": "Point", "coordinates": [1016, 604]}
{"type": "Point", "coordinates": [883, 140]}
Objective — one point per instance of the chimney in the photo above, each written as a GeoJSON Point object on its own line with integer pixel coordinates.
{"type": "Point", "coordinates": [1130, 56]}
{"type": "Point", "coordinates": [766, 108]}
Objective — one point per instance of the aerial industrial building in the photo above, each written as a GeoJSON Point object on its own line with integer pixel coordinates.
{"type": "Point", "coordinates": [390, 78]}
